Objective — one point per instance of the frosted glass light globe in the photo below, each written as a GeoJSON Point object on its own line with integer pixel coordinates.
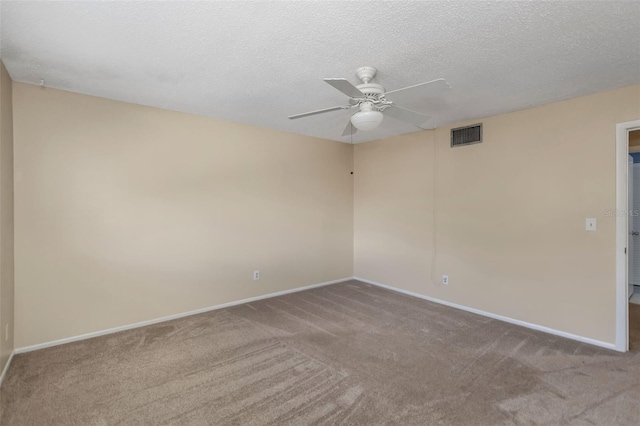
{"type": "Point", "coordinates": [366, 118]}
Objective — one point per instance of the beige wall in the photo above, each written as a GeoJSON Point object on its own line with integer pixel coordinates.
{"type": "Point", "coordinates": [6, 218]}
{"type": "Point", "coordinates": [505, 219]}
{"type": "Point", "coordinates": [393, 204]}
{"type": "Point", "coordinates": [127, 213]}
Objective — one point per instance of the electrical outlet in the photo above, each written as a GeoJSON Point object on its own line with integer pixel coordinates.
{"type": "Point", "coordinates": [445, 279]}
{"type": "Point", "coordinates": [256, 275]}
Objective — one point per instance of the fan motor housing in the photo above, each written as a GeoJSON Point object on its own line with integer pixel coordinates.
{"type": "Point", "coordinates": [371, 89]}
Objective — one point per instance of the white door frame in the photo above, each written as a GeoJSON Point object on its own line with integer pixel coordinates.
{"type": "Point", "coordinates": [622, 232]}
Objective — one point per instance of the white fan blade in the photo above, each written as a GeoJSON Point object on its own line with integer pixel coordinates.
{"type": "Point", "coordinates": [350, 129]}
{"type": "Point", "coordinates": [430, 89]}
{"type": "Point", "coordinates": [320, 111]}
{"type": "Point", "coordinates": [407, 115]}
{"type": "Point", "coordinates": [345, 87]}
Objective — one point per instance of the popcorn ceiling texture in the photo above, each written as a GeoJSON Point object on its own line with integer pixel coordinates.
{"type": "Point", "coordinates": [258, 62]}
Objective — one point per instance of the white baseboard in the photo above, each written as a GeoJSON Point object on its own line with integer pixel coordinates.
{"type": "Point", "coordinates": [169, 318]}
{"type": "Point", "coordinates": [281, 293]}
{"type": "Point", "coordinates": [496, 316]}
{"type": "Point", "coordinates": [6, 367]}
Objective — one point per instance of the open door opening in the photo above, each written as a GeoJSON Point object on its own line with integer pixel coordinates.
{"type": "Point", "coordinates": [633, 257]}
{"type": "Point", "coordinates": [627, 235]}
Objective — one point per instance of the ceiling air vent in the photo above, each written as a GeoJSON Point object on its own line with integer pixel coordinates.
{"type": "Point", "coordinates": [467, 135]}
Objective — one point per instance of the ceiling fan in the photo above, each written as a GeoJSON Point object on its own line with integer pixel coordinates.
{"type": "Point", "coordinates": [371, 100]}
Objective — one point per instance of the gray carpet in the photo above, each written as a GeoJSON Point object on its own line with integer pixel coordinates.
{"type": "Point", "coordinates": [348, 353]}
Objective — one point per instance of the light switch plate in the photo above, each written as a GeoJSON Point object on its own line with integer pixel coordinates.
{"type": "Point", "coordinates": [591, 224]}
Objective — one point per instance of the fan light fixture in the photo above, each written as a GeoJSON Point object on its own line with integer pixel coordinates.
{"type": "Point", "coordinates": [366, 118]}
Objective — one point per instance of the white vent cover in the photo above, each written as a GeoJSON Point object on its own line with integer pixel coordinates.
{"type": "Point", "coordinates": [466, 135]}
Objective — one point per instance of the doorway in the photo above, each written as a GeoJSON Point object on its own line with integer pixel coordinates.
{"type": "Point", "coordinates": [633, 182]}
{"type": "Point", "coordinates": [625, 225]}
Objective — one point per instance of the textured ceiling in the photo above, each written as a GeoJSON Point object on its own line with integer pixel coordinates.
{"type": "Point", "coordinates": [258, 62]}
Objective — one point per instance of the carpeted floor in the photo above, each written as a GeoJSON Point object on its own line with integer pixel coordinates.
{"type": "Point", "coordinates": [348, 353]}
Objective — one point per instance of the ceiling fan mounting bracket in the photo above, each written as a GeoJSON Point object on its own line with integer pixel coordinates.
{"type": "Point", "coordinates": [366, 73]}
